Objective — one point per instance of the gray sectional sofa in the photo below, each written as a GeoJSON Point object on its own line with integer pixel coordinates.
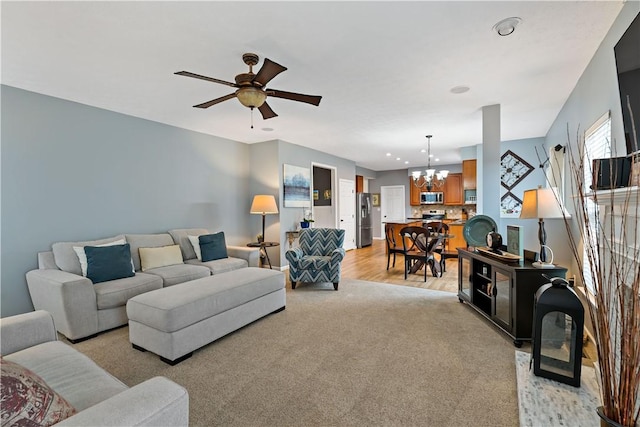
{"type": "Point", "coordinates": [81, 308]}
{"type": "Point", "coordinates": [100, 399]}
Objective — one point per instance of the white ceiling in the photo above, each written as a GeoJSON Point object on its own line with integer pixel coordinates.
{"type": "Point", "coordinates": [384, 69]}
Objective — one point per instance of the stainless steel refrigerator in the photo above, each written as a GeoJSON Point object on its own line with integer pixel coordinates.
{"type": "Point", "coordinates": [364, 230]}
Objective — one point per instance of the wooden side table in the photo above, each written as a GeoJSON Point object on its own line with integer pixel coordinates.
{"type": "Point", "coordinates": [263, 247]}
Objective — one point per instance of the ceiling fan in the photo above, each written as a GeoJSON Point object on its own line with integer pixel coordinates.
{"type": "Point", "coordinates": [251, 87]}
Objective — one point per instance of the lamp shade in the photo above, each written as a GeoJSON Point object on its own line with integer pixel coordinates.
{"type": "Point", "coordinates": [264, 204]}
{"type": "Point", "coordinates": [541, 203]}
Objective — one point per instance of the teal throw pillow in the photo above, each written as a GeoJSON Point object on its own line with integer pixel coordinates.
{"type": "Point", "coordinates": [108, 262]}
{"type": "Point", "coordinates": [213, 246]}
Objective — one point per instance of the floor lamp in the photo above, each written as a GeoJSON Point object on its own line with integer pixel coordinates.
{"type": "Point", "coordinates": [264, 204]}
{"type": "Point", "coordinates": [542, 203]}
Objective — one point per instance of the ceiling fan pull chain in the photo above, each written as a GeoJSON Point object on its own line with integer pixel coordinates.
{"type": "Point", "coordinates": [251, 117]}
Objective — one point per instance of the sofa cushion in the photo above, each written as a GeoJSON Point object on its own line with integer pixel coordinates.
{"type": "Point", "coordinates": [213, 246]}
{"type": "Point", "coordinates": [70, 373]}
{"type": "Point", "coordinates": [174, 274]}
{"type": "Point", "coordinates": [138, 241]}
{"type": "Point", "coordinates": [82, 256]}
{"type": "Point", "coordinates": [314, 262]}
{"type": "Point", "coordinates": [116, 293]}
{"type": "Point", "coordinates": [195, 243]}
{"type": "Point", "coordinates": [221, 265]}
{"type": "Point", "coordinates": [159, 257]}
{"type": "Point", "coordinates": [180, 237]}
{"type": "Point", "coordinates": [27, 400]}
{"type": "Point", "coordinates": [67, 259]}
{"type": "Point", "coordinates": [108, 262]}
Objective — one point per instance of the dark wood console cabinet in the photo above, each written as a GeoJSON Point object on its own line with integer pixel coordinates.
{"type": "Point", "coordinates": [502, 292]}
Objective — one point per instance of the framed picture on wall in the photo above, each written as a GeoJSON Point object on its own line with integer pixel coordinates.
{"type": "Point", "coordinates": [375, 199]}
{"type": "Point", "coordinates": [297, 186]}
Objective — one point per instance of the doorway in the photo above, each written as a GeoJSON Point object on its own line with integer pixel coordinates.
{"type": "Point", "coordinates": [323, 197]}
{"type": "Point", "coordinates": [347, 209]}
{"type": "Point", "coordinates": [392, 205]}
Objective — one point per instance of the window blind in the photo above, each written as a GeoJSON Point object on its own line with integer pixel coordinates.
{"type": "Point", "coordinates": [597, 145]}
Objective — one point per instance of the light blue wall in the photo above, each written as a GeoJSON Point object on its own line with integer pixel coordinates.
{"type": "Point", "coordinates": [595, 93]}
{"type": "Point", "coordinates": [298, 155]}
{"type": "Point", "coordinates": [74, 172]}
{"type": "Point", "coordinates": [526, 149]}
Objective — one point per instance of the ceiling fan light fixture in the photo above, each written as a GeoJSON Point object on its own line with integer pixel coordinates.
{"type": "Point", "coordinates": [251, 97]}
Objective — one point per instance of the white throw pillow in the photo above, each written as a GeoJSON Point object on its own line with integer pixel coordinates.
{"type": "Point", "coordinates": [160, 257]}
{"type": "Point", "coordinates": [82, 256]}
{"type": "Point", "coordinates": [195, 242]}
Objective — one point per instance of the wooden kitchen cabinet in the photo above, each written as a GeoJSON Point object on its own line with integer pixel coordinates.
{"type": "Point", "coordinates": [457, 241]}
{"type": "Point", "coordinates": [453, 194]}
{"type": "Point", "coordinates": [469, 174]}
{"type": "Point", "coordinates": [414, 192]}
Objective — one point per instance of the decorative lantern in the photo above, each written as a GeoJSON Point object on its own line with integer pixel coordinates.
{"type": "Point", "coordinates": [558, 322]}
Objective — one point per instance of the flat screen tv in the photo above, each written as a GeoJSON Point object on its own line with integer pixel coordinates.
{"type": "Point", "coordinates": [627, 52]}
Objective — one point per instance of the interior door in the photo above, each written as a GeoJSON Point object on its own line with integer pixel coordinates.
{"type": "Point", "coordinates": [392, 205]}
{"type": "Point", "coordinates": [347, 211]}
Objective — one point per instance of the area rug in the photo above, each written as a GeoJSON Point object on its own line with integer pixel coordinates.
{"type": "Point", "coordinates": [544, 402]}
{"type": "Point", "coordinates": [369, 354]}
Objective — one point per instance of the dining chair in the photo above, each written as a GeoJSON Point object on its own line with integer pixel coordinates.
{"type": "Point", "coordinates": [392, 245]}
{"type": "Point", "coordinates": [419, 245]}
{"type": "Point", "coordinates": [442, 250]}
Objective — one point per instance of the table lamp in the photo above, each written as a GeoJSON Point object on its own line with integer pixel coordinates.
{"type": "Point", "coordinates": [542, 203]}
{"type": "Point", "coordinates": [264, 204]}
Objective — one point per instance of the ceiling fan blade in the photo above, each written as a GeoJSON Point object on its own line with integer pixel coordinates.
{"type": "Point", "coordinates": [268, 71]}
{"type": "Point", "coordinates": [266, 111]}
{"type": "Point", "coordinates": [215, 101]}
{"type": "Point", "coordinates": [309, 99]}
{"type": "Point", "coordinates": [209, 79]}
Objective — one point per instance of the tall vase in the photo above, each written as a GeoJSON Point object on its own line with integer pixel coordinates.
{"type": "Point", "coordinates": [604, 420]}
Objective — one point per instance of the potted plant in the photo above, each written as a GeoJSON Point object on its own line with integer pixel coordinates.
{"type": "Point", "coordinates": [606, 249]}
{"type": "Point", "coordinates": [306, 222]}
{"type": "Point", "coordinates": [307, 219]}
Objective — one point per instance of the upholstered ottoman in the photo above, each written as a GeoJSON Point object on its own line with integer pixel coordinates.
{"type": "Point", "coordinates": [174, 321]}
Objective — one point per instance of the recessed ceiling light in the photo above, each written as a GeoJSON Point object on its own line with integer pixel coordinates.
{"type": "Point", "coordinates": [507, 26]}
{"type": "Point", "coordinates": [423, 151]}
{"type": "Point", "coordinates": [397, 158]}
{"type": "Point", "coordinates": [459, 89]}
{"type": "Point", "coordinates": [431, 155]}
{"type": "Point", "coordinates": [267, 129]}
{"type": "Point", "coordinates": [437, 160]}
{"type": "Point", "coordinates": [406, 162]}
{"type": "Point", "coordinates": [388, 154]}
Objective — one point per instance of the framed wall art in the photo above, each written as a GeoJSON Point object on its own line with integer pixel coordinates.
{"type": "Point", "coordinates": [297, 186]}
{"type": "Point", "coordinates": [375, 199]}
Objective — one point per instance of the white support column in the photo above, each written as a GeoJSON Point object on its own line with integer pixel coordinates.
{"type": "Point", "coordinates": [489, 181]}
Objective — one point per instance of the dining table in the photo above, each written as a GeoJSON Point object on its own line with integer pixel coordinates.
{"type": "Point", "coordinates": [423, 246]}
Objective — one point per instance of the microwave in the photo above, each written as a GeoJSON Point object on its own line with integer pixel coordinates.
{"type": "Point", "coordinates": [432, 198]}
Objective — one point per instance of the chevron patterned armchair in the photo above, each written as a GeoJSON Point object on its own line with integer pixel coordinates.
{"type": "Point", "coordinates": [319, 257]}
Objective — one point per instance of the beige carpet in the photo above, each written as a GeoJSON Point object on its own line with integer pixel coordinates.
{"type": "Point", "coordinates": [369, 354]}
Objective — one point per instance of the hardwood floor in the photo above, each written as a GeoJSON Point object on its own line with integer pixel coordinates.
{"type": "Point", "coordinates": [370, 263]}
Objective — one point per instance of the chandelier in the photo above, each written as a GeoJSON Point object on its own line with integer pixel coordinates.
{"type": "Point", "coordinates": [430, 178]}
